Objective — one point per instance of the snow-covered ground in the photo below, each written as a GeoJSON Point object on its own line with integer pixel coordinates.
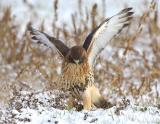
{"type": "Point", "coordinates": [47, 108]}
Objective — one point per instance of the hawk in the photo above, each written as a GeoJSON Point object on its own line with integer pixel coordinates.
{"type": "Point", "coordinates": [77, 77]}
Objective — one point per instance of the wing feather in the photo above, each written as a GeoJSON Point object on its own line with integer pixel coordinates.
{"type": "Point", "coordinates": [51, 42]}
{"type": "Point", "coordinates": [97, 40]}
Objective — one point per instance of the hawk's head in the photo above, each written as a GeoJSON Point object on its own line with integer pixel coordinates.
{"type": "Point", "coordinates": [77, 55]}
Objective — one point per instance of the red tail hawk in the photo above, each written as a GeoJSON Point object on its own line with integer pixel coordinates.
{"type": "Point", "coordinates": [78, 62]}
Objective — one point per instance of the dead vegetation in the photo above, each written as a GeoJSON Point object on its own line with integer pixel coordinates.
{"type": "Point", "coordinates": [132, 70]}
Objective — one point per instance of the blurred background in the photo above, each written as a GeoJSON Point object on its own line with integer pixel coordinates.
{"type": "Point", "coordinates": [128, 68]}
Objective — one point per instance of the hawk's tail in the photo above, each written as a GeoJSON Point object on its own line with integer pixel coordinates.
{"type": "Point", "coordinates": [97, 99]}
{"type": "Point", "coordinates": [102, 103]}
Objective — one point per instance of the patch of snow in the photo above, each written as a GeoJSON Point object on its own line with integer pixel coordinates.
{"type": "Point", "coordinates": [43, 113]}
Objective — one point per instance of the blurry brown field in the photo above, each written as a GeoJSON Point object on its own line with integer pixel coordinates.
{"type": "Point", "coordinates": [133, 70]}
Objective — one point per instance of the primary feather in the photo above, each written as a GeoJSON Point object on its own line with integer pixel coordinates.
{"type": "Point", "coordinates": [51, 42]}
{"type": "Point", "coordinates": [97, 40]}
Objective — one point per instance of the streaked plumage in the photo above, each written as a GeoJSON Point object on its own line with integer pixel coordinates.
{"type": "Point", "coordinates": [77, 76]}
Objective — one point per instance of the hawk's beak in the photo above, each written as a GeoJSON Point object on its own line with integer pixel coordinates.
{"type": "Point", "coordinates": [76, 61]}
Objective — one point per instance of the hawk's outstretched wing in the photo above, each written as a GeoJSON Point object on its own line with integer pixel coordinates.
{"type": "Point", "coordinates": [105, 32]}
{"type": "Point", "coordinates": [43, 38]}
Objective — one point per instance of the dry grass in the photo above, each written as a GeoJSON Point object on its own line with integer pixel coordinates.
{"type": "Point", "coordinates": [131, 74]}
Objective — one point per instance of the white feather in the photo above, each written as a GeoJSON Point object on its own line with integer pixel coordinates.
{"type": "Point", "coordinates": [40, 37]}
{"type": "Point", "coordinates": [105, 34]}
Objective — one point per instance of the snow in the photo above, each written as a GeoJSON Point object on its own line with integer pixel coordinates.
{"type": "Point", "coordinates": [42, 111]}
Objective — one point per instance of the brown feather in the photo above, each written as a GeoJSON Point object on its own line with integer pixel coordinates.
{"type": "Point", "coordinates": [61, 47]}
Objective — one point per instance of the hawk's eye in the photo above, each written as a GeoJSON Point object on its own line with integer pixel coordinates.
{"type": "Point", "coordinates": [71, 59]}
